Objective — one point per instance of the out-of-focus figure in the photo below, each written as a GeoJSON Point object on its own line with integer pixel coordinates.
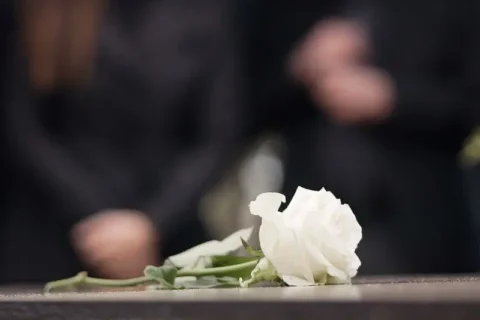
{"type": "Point", "coordinates": [395, 87]}
{"type": "Point", "coordinates": [279, 104]}
{"type": "Point", "coordinates": [119, 116]}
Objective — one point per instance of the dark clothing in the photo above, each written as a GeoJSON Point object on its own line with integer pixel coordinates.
{"type": "Point", "coordinates": [400, 177]}
{"type": "Point", "coordinates": [155, 129]}
{"type": "Point", "coordinates": [415, 187]}
{"type": "Point", "coordinates": [408, 199]}
{"type": "Point", "coordinates": [430, 53]}
{"type": "Point", "coordinates": [269, 33]}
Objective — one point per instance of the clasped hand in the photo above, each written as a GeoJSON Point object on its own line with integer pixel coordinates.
{"type": "Point", "coordinates": [333, 63]}
{"type": "Point", "coordinates": [116, 243]}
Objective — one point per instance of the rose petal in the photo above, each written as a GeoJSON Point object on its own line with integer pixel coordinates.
{"type": "Point", "coordinates": [303, 200]}
{"type": "Point", "coordinates": [296, 282]}
{"type": "Point", "coordinates": [277, 242]}
{"type": "Point", "coordinates": [321, 264]}
{"type": "Point", "coordinates": [280, 247]}
{"type": "Point", "coordinates": [333, 245]}
{"type": "Point", "coordinates": [348, 227]}
{"type": "Point", "coordinates": [266, 205]}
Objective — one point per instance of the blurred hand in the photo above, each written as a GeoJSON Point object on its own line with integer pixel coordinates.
{"type": "Point", "coordinates": [330, 45]}
{"type": "Point", "coordinates": [117, 243]}
{"type": "Point", "coordinates": [355, 94]}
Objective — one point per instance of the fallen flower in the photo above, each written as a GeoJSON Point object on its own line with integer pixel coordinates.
{"type": "Point", "coordinates": [311, 242]}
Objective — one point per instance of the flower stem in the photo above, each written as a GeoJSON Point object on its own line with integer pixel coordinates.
{"type": "Point", "coordinates": [219, 271]}
{"type": "Point", "coordinates": [83, 279]}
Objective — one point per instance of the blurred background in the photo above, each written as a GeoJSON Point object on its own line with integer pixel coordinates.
{"type": "Point", "coordinates": [133, 130]}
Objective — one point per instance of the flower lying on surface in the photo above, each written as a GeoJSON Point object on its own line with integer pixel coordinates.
{"type": "Point", "coordinates": [313, 241]}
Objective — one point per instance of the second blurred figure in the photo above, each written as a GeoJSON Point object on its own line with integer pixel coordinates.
{"type": "Point", "coordinates": [119, 116]}
{"type": "Point", "coordinates": [390, 95]}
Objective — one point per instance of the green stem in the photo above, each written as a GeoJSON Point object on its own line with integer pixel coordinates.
{"type": "Point", "coordinates": [83, 279]}
{"type": "Point", "coordinates": [219, 271]}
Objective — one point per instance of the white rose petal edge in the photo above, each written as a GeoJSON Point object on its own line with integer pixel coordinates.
{"type": "Point", "coordinates": [313, 241]}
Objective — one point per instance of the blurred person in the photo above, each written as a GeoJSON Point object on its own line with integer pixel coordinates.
{"type": "Point", "coordinates": [269, 36]}
{"type": "Point", "coordinates": [404, 110]}
{"type": "Point", "coordinates": [394, 86]}
{"type": "Point", "coordinates": [119, 115]}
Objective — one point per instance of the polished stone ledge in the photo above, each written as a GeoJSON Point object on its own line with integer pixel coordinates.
{"type": "Point", "coordinates": [385, 298]}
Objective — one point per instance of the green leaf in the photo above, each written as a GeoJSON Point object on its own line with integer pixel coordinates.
{"type": "Point", "coordinates": [208, 282]}
{"type": "Point", "coordinates": [210, 248]}
{"type": "Point", "coordinates": [250, 250]}
{"type": "Point", "coordinates": [236, 270]}
{"type": "Point", "coordinates": [202, 262]}
{"type": "Point", "coordinates": [164, 275]}
{"type": "Point", "coordinates": [162, 285]}
{"type": "Point", "coordinates": [223, 261]}
{"type": "Point", "coordinates": [264, 271]}
{"type": "Point", "coordinates": [205, 262]}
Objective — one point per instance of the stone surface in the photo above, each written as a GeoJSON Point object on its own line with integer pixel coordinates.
{"type": "Point", "coordinates": [388, 298]}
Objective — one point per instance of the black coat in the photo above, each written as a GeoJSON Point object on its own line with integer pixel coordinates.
{"type": "Point", "coordinates": [156, 128]}
{"type": "Point", "coordinates": [401, 177]}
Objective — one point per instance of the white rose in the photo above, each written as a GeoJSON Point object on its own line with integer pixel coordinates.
{"type": "Point", "coordinates": [312, 241]}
